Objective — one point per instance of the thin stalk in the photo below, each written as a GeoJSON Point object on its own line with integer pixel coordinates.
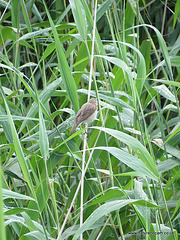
{"type": "Point", "coordinates": [85, 136]}
{"type": "Point", "coordinates": [2, 232]}
{"type": "Point", "coordinates": [77, 190]}
{"type": "Point", "coordinates": [82, 183]}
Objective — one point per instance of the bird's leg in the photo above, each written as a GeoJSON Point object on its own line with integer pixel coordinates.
{"type": "Point", "coordinates": [85, 131]}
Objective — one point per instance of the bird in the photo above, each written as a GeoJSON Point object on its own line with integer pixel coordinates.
{"type": "Point", "coordinates": [86, 114]}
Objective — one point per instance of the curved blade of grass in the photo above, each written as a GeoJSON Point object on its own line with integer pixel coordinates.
{"type": "Point", "coordinates": [10, 67]}
{"type": "Point", "coordinates": [118, 62]}
{"type": "Point", "coordinates": [64, 68]}
{"type": "Point", "coordinates": [176, 84]}
{"type": "Point", "coordinates": [135, 145]}
{"type": "Point", "coordinates": [10, 194]}
{"type": "Point", "coordinates": [163, 46]}
{"type": "Point", "coordinates": [108, 195]}
{"type": "Point", "coordinates": [115, 101]}
{"type": "Point", "coordinates": [164, 91]}
{"type": "Point", "coordinates": [103, 8]}
{"type": "Point", "coordinates": [36, 235]}
{"type": "Point", "coordinates": [72, 230]}
{"type": "Point", "coordinates": [132, 161]}
{"type": "Point", "coordinates": [106, 209]}
{"type": "Point", "coordinates": [17, 145]}
{"type": "Point", "coordinates": [34, 34]}
{"type": "Point", "coordinates": [141, 68]}
{"type": "Point", "coordinates": [43, 97]}
{"type": "Point", "coordinates": [4, 117]}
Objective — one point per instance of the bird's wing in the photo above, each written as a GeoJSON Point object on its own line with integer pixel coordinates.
{"type": "Point", "coordinates": [83, 114]}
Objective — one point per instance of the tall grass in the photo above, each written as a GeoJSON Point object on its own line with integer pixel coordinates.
{"type": "Point", "coordinates": [121, 180]}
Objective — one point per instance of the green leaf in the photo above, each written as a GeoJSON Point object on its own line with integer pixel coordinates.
{"type": "Point", "coordinates": [104, 6]}
{"type": "Point", "coordinates": [10, 194]}
{"type": "Point", "coordinates": [106, 209]}
{"type": "Point", "coordinates": [171, 83]}
{"type": "Point", "coordinates": [146, 52]}
{"type": "Point", "coordinates": [43, 139]}
{"type": "Point", "coordinates": [5, 33]}
{"type": "Point", "coordinates": [35, 34]}
{"type": "Point", "coordinates": [35, 235]}
{"type": "Point", "coordinates": [17, 145]}
{"type": "Point", "coordinates": [164, 91]}
{"type": "Point", "coordinates": [110, 194]}
{"type": "Point", "coordinates": [133, 162]}
{"type": "Point", "coordinates": [80, 17]}
{"type": "Point", "coordinates": [43, 97]}
{"type": "Point", "coordinates": [18, 210]}
{"type": "Point", "coordinates": [170, 149]}
{"type": "Point", "coordinates": [113, 100]}
{"type": "Point", "coordinates": [177, 10]}
{"type": "Point", "coordinates": [50, 48]}
{"type": "Point", "coordinates": [167, 165]}
{"type": "Point", "coordinates": [118, 62]}
{"type": "Point", "coordinates": [136, 146]}
{"type": "Point", "coordinates": [64, 68]}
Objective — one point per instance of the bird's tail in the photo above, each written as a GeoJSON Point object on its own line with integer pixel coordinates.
{"type": "Point", "coordinates": [73, 128]}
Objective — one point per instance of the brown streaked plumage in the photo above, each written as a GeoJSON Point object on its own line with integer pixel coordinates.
{"type": "Point", "coordinates": [86, 114]}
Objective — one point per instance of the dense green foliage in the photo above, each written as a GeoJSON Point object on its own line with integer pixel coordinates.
{"type": "Point", "coordinates": [130, 166]}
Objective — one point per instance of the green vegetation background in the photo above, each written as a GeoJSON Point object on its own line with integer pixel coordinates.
{"type": "Point", "coordinates": [49, 54]}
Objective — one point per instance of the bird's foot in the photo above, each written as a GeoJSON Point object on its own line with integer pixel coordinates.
{"type": "Point", "coordinates": [85, 132]}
